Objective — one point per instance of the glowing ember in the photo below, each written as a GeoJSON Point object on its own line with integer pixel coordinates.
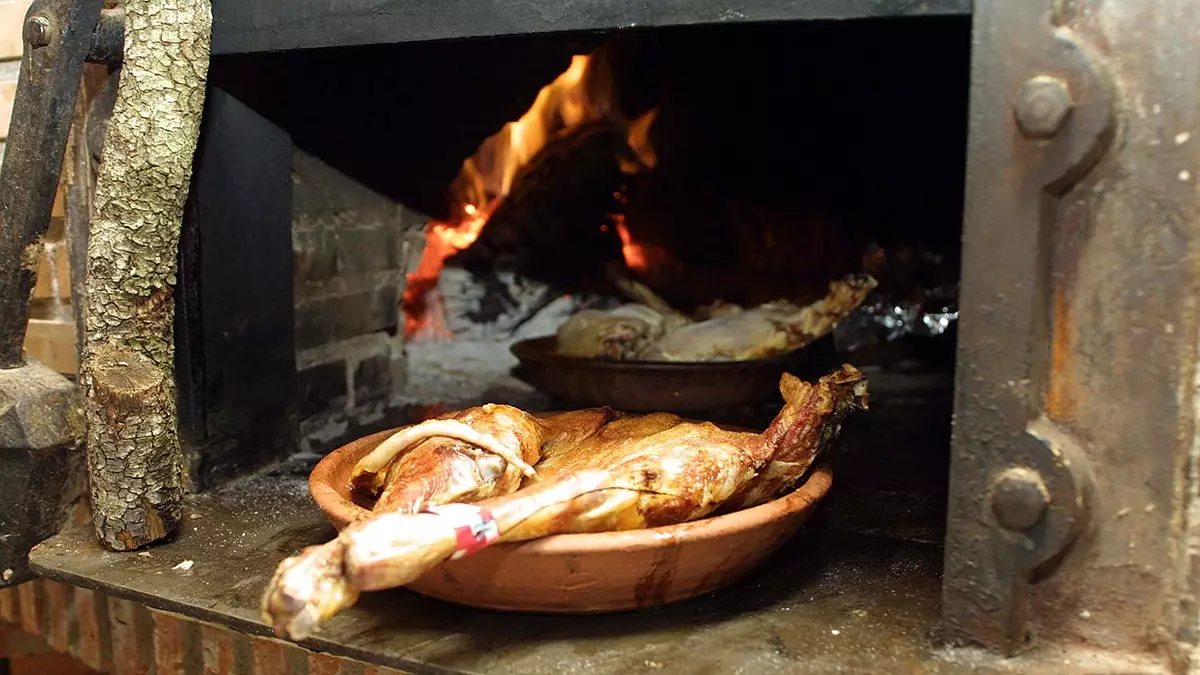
{"type": "Point", "coordinates": [582, 94]}
{"type": "Point", "coordinates": [422, 308]}
{"type": "Point", "coordinates": [641, 257]}
{"type": "Point", "coordinates": [635, 256]}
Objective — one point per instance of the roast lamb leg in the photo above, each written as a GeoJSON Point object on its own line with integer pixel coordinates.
{"type": "Point", "coordinates": [636, 472]}
{"type": "Point", "coordinates": [764, 331]}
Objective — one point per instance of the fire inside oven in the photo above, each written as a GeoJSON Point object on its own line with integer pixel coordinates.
{"type": "Point", "coordinates": [694, 173]}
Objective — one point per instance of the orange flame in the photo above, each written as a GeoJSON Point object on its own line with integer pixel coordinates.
{"type": "Point", "coordinates": [635, 256]}
{"type": "Point", "coordinates": [641, 257]}
{"type": "Point", "coordinates": [581, 94]}
{"type": "Point", "coordinates": [422, 308]}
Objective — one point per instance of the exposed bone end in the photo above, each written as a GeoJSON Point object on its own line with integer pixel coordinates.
{"type": "Point", "coordinates": [847, 384]}
{"type": "Point", "coordinates": [307, 589]}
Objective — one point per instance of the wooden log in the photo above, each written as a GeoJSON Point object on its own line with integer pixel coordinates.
{"type": "Point", "coordinates": [552, 226]}
{"type": "Point", "coordinates": [136, 479]}
{"type": "Point", "coordinates": [134, 459]}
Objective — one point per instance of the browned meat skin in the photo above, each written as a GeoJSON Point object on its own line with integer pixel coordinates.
{"type": "Point", "coordinates": [635, 472]}
{"type": "Point", "coordinates": [440, 471]}
{"type": "Point", "coordinates": [515, 436]}
{"type": "Point", "coordinates": [567, 431]}
{"type": "Point", "coordinates": [818, 413]}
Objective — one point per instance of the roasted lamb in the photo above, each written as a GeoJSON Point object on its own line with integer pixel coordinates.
{"type": "Point", "coordinates": [595, 475]}
{"type": "Point", "coordinates": [761, 332]}
{"type": "Point", "coordinates": [649, 332]}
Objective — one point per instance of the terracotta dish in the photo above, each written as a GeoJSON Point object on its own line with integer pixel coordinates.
{"type": "Point", "coordinates": [588, 573]}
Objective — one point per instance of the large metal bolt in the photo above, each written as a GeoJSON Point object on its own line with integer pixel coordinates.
{"type": "Point", "coordinates": [37, 31]}
{"type": "Point", "coordinates": [1042, 106]}
{"type": "Point", "coordinates": [1019, 498]}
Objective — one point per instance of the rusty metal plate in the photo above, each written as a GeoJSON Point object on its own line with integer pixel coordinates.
{"type": "Point", "coordinates": [1073, 470]}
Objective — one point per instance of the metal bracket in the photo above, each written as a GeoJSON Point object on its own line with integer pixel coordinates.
{"type": "Point", "coordinates": [42, 468]}
{"type": "Point", "coordinates": [1041, 118]}
{"type": "Point", "coordinates": [60, 35]}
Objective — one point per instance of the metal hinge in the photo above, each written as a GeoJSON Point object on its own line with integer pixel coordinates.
{"type": "Point", "coordinates": [1041, 117]}
{"type": "Point", "coordinates": [40, 455]}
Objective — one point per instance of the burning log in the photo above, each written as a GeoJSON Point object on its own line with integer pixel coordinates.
{"type": "Point", "coordinates": [127, 369]}
{"type": "Point", "coordinates": [575, 123]}
{"type": "Point", "coordinates": [552, 225]}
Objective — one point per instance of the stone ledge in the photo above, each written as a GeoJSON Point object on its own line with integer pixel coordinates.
{"type": "Point", "coordinates": [881, 597]}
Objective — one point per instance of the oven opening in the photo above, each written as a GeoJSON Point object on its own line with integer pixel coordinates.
{"type": "Point", "coordinates": [704, 168]}
{"type": "Point", "coordinates": [479, 194]}
{"type": "Point", "coordinates": [400, 213]}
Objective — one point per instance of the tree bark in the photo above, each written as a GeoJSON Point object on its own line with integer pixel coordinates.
{"type": "Point", "coordinates": [134, 459]}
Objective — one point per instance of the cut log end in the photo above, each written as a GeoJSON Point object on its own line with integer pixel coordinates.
{"type": "Point", "coordinates": [154, 529]}
{"type": "Point", "coordinates": [133, 452]}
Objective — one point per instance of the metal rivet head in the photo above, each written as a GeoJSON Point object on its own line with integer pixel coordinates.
{"type": "Point", "coordinates": [37, 31]}
{"type": "Point", "coordinates": [1019, 498]}
{"type": "Point", "coordinates": [1042, 106]}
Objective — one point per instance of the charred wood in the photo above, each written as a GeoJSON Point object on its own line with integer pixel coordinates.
{"type": "Point", "coordinates": [553, 226]}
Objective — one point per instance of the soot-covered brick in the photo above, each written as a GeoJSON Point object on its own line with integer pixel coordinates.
{"type": "Point", "coordinates": [315, 255]}
{"type": "Point", "coordinates": [368, 249]}
{"type": "Point", "coordinates": [336, 318]}
{"type": "Point", "coordinates": [322, 387]}
{"type": "Point", "coordinates": [352, 247]}
{"type": "Point", "coordinates": [373, 379]}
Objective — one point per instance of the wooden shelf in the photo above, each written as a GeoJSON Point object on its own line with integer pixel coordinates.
{"type": "Point", "coordinates": [52, 341]}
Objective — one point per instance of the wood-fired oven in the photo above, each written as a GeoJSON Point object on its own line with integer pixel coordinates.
{"type": "Point", "coordinates": [1022, 493]}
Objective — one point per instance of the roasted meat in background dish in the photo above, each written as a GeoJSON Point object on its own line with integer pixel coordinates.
{"type": "Point", "coordinates": [620, 333]}
{"type": "Point", "coordinates": [598, 472]}
{"type": "Point", "coordinates": [642, 332]}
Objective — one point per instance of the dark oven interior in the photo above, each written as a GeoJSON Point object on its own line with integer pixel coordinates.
{"type": "Point", "coordinates": [784, 156]}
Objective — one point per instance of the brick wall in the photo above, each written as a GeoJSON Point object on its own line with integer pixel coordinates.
{"type": "Point", "coordinates": [50, 336]}
{"type": "Point", "coordinates": [351, 247]}
{"type": "Point", "coordinates": [22, 653]}
{"type": "Point", "coordinates": [116, 636]}
{"type": "Point", "coordinates": [12, 18]}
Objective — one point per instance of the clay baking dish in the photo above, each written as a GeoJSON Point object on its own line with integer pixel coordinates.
{"type": "Point", "coordinates": [589, 573]}
{"type": "Point", "coordinates": [652, 386]}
